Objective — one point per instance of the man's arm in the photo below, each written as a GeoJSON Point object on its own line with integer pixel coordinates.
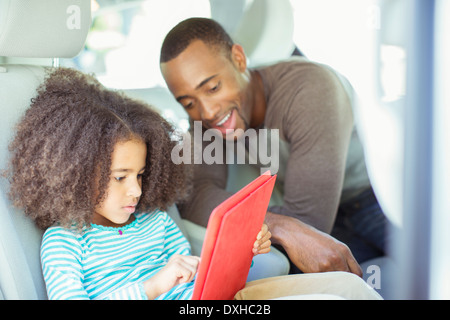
{"type": "Point", "coordinates": [310, 249]}
{"type": "Point", "coordinates": [317, 123]}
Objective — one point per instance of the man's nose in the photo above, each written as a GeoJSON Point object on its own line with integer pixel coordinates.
{"type": "Point", "coordinates": [209, 110]}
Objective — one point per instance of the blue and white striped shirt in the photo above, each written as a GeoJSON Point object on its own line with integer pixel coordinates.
{"type": "Point", "coordinates": [112, 263]}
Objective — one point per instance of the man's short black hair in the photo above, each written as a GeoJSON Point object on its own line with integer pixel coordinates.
{"type": "Point", "coordinates": [181, 36]}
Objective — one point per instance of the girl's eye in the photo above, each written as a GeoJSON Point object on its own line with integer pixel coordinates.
{"type": "Point", "coordinates": [120, 179]}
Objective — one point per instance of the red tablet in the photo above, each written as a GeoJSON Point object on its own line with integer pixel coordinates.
{"type": "Point", "coordinates": [231, 232]}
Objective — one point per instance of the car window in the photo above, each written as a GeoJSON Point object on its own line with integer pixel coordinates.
{"type": "Point", "coordinates": [123, 45]}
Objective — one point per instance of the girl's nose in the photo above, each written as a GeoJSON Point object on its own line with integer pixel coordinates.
{"type": "Point", "coordinates": [135, 189]}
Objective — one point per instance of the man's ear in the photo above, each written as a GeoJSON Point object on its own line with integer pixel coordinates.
{"type": "Point", "coordinates": [238, 57]}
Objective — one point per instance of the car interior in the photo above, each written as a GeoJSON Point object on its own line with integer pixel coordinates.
{"type": "Point", "coordinates": [20, 276]}
{"type": "Point", "coordinates": [34, 37]}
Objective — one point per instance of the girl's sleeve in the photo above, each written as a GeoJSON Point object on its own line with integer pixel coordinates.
{"type": "Point", "coordinates": [135, 291]}
{"type": "Point", "coordinates": [174, 240]}
{"type": "Point", "coordinates": [61, 267]}
{"type": "Point", "coordinates": [63, 273]}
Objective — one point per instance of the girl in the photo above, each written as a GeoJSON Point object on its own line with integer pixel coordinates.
{"type": "Point", "coordinates": [93, 168]}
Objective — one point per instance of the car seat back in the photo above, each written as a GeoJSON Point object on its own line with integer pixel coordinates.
{"type": "Point", "coordinates": [266, 31]}
{"type": "Point", "coordinates": [31, 29]}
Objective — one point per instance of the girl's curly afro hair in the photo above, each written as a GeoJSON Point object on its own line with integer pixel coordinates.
{"type": "Point", "coordinates": [61, 154]}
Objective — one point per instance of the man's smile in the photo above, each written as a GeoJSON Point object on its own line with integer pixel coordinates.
{"type": "Point", "coordinates": [225, 119]}
{"type": "Point", "coordinates": [228, 122]}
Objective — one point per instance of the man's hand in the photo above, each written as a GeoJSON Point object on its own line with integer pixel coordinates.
{"type": "Point", "coordinates": [310, 249]}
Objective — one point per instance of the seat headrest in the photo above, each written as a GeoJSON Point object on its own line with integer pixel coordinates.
{"type": "Point", "coordinates": [266, 31]}
{"type": "Point", "coordinates": [54, 29]}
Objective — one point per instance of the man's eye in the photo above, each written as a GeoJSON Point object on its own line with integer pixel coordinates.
{"type": "Point", "coordinates": [215, 88]}
{"type": "Point", "coordinates": [187, 106]}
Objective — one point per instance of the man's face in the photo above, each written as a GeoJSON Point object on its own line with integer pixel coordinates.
{"type": "Point", "coordinates": [210, 86]}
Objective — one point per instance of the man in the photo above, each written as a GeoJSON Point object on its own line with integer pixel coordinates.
{"type": "Point", "coordinates": [324, 167]}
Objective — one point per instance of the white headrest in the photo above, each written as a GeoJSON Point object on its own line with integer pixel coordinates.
{"type": "Point", "coordinates": [266, 31]}
{"type": "Point", "coordinates": [43, 29]}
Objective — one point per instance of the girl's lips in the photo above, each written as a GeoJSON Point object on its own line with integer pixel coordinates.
{"type": "Point", "coordinates": [130, 209]}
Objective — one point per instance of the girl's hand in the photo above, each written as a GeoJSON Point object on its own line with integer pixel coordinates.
{"type": "Point", "coordinates": [262, 243]}
{"type": "Point", "coordinates": [179, 269]}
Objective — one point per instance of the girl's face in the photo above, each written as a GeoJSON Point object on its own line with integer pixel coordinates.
{"type": "Point", "coordinates": [125, 186]}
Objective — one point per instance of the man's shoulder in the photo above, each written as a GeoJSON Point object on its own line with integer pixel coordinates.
{"type": "Point", "coordinates": [294, 88]}
{"type": "Point", "coordinates": [287, 78]}
{"type": "Point", "coordinates": [296, 62]}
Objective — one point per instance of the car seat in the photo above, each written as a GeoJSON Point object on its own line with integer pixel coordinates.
{"type": "Point", "coordinates": [264, 28]}
{"type": "Point", "coordinates": [32, 30]}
